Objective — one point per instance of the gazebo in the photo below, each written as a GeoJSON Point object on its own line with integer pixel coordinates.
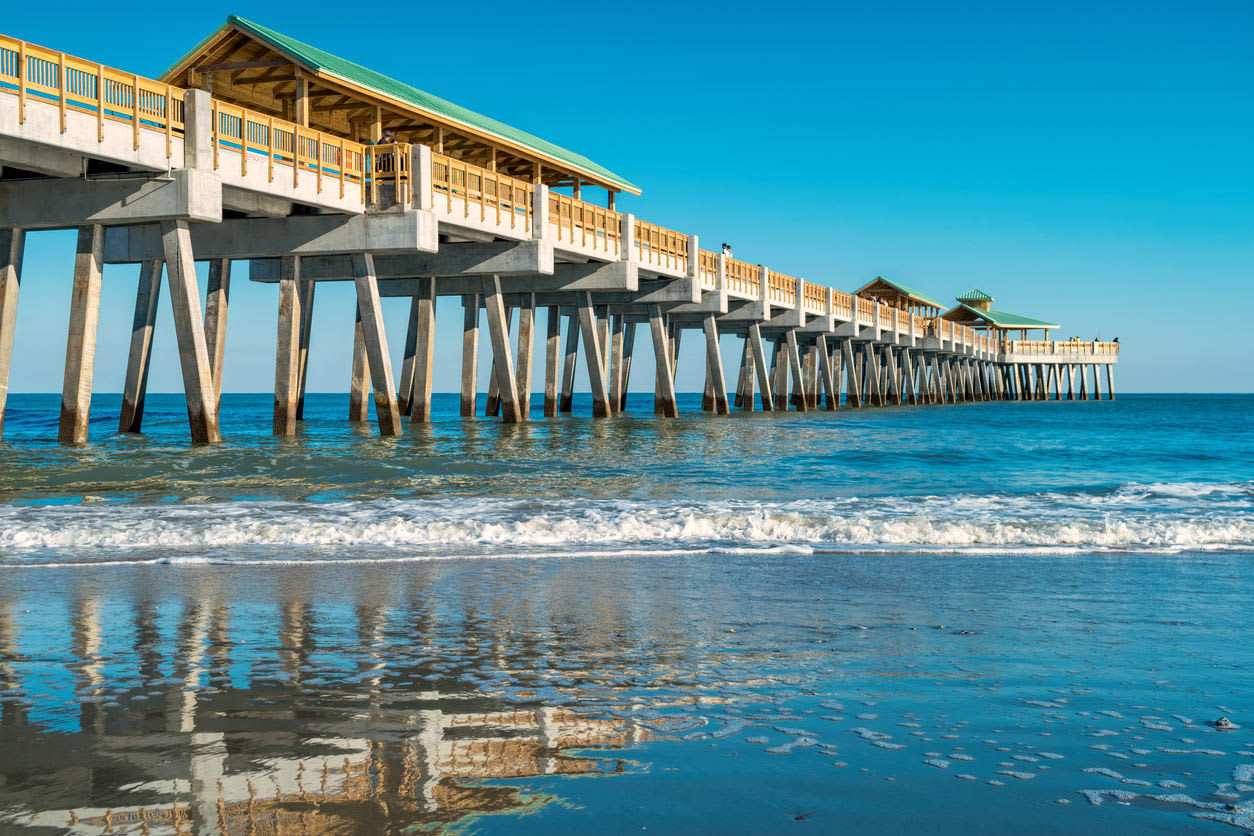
{"type": "Point", "coordinates": [975, 310]}
{"type": "Point", "coordinates": [897, 295]}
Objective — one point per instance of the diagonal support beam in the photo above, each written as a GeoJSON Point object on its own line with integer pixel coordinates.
{"type": "Point", "coordinates": [502, 361]}
{"type": "Point", "coordinates": [367, 284]}
{"type": "Point", "coordinates": [147, 294]}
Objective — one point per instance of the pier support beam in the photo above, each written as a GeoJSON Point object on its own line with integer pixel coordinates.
{"type": "Point", "coordinates": [492, 407]}
{"type": "Point", "coordinates": [746, 364]}
{"type": "Point", "coordinates": [307, 289]}
{"type": "Point", "coordinates": [552, 359]}
{"type": "Point", "coordinates": [526, 348]}
{"type": "Point", "coordinates": [470, 353]}
{"type": "Point", "coordinates": [568, 363]}
{"type": "Point", "coordinates": [502, 362]}
{"type": "Point", "coordinates": [405, 389]}
{"type": "Point", "coordinates": [665, 387]}
{"type": "Point", "coordinates": [595, 356]}
{"type": "Point", "coordinates": [367, 284]}
{"type": "Point", "coordinates": [147, 294]}
{"type": "Point", "coordinates": [629, 349]}
{"type": "Point", "coordinates": [80, 347]}
{"type": "Point", "coordinates": [853, 393]}
{"type": "Point", "coordinates": [189, 330]}
{"type": "Point", "coordinates": [827, 374]}
{"type": "Point", "coordinates": [12, 243]}
{"type": "Point", "coordinates": [287, 347]}
{"type": "Point", "coordinates": [358, 408]}
{"type": "Point", "coordinates": [1110, 382]}
{"type": "Point", "coordinates": [714, 361]}
{"type": "Point", "coordinates": [217, 299]}
{"type": "Point", "coordinates": [424, 352]}
{"type": "Point", "coordinates": [618, 332]}
{"type": "Point", "coordinates": [759, 367]}
{"type": "Point", "coordinates": [798, 376]}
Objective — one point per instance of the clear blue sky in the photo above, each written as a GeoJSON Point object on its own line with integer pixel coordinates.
{"type": "Point", "coordinates": [1084, 162]}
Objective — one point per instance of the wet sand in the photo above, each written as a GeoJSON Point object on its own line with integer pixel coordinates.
{"type": "Point", "coordinates": [729, 693]}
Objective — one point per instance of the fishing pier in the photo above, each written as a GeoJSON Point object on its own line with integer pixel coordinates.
{"type": "Point", "coordinates": [256, 149]}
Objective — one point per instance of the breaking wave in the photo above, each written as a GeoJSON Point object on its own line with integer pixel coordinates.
{"type": "Point", "coordinates": [1167, 518]}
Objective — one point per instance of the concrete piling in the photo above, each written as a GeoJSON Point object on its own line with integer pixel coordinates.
{"type": "Point", "coordinates": [80, 349]}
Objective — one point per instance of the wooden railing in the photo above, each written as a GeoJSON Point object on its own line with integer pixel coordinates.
{"type": "Point", "coordinates": [660, 246]}
{"type": "Point", "coordinates": [585, 224]}
{"type": "Point", "coordinates": [842, 304]}
{"type": "Point", "coordinates": [1060, 347]}
{"type": "Point", "coordinates": [275, 140]}
{"type": "Point", "coordinates": [505, 199]}
{"type": "Point", "coordinates": [742, 277]}
{"type": "Point", "coordinates": [34, 73]}
{"type": "Point", "coordinates": [814, 298]}
{"type": "Point", "coordinates": [707, 269]}
{"type": "Point", "coordinates": [888, 316]}
{"type": "Point", "coordinates": [866, 311]}
{"type": "Point", "coordinates": [781, 288]}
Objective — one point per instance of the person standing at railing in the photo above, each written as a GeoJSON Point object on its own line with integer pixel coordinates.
{"type": "Point", "coordinates": [384, 162]}
{"type": "Point", "coordinates": [727, 251]}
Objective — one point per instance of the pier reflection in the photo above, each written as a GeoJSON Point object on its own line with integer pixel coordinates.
{"type": "Point", "coordinates": [142, 712]}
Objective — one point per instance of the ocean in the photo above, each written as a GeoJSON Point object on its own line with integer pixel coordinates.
{"type": "Point", "coordinates": [965, 619]}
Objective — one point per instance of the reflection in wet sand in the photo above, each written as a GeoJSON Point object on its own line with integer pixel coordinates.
{"type": "Point", "coordinates": [167, 740]}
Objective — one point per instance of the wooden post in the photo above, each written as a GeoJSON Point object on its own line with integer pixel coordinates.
{"type": "Point", "coordinates": [306, 328]}
{"type": "Point", "coordinates": [502, 362]}
{"type": "Point", "coordinates": [216, 300]}
{"type": "Point", "coordinates": [80, 348]}
{"type": "Point", "coordinates": [526, 348]}
{"type": "Point", "coordinates": [147, 295]}
{"type": "Point", "coordinates": [552, 359]}
{"type": "Point", "coordinates": [595, 356]}
{"type": "Point", "coordinates": [714, 359]}
{"type": "Point", "coordinates": [798, 377]}
{"type": "Point", "coordinates": [287, 349]}
{"type": "Point", "coordinates": [759, 367]}
{"type": "Point", "coordinates": [617, 329]}
{"type": "Point", "coordinates": [828, 376]}
{"type": "Point", "coordinates": [739, 398]}
{"type": "Point", "coordinates": [568, 366]}
{"type": "Point", "coordinates": [424, 353]}
{"type": "Point", "coordinates": [470, 353]}
{"type": "Point", "coordinates": [385, 407]}
{"type": "Point", "coordinates": [358, 409]}
{"type": "Point", "coordinates": [189, 330]}
{"type": "Point", "coordinates": [629, 348]}
{"type": "Point", "coordinates": [12, 243]}
{"type": "Point", "coordinates": [779, 373]}
{"type": "Point", "coordinates": [405, 389]}
{"type": "Point", "coordinates": [493, 406]}
{"type": "Point", "coordinates": [662, 359]}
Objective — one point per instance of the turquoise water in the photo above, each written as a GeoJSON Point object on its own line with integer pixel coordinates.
{"type": "Point", "coordinates": [968, 618]}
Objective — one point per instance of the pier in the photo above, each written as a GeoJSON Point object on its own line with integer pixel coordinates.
{"type": "Point", "coordinates": [272, 159]}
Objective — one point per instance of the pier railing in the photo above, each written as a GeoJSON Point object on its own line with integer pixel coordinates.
{"type": "Point", "coordinates": [72, 84]}
{"type": "Point", "coordinates": [781, 288]}
{"type": "Point", "coordinates": [842, 304]}
{"type": "Point", "coordinates": [661, 247]}
{"type": "Point", "coordinates": [707, 269]}
{"type": "Point", "coordinates": [277, 141]}
{"type": "Point", "coordinates": [585, 224]}
{"type": "Point", "coordinates": [865, 311]}
{"type": "Point", "coordinates": [498, 196]}
{"type": "Point", "coordinates": [742, 278]}
{"type": "Point", "coordinates": [1061, 348]}
{"type": "Point", "coordinates": [814, 299]}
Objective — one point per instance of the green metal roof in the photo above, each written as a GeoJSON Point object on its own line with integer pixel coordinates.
{"type": "Point", "coordinates": [909, 291]}
{"type": "Point", "coordinates": [325, 62]}
{"type": "Point", "coordinates": [975, 295]}
{"type": "Point", "coordinates": [1008, 320]}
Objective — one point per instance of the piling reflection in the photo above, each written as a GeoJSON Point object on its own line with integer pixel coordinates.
{"type": "Point", "coordinates": [135, 713]}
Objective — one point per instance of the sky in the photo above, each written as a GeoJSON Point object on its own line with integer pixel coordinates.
{"type": "Point", "coordinates": [1087, 163]}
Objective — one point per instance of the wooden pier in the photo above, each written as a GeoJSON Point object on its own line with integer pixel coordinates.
{"type": "Point", "coordinates": [261, 149]}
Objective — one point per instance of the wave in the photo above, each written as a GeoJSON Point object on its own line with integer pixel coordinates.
{"type": "Point", "coordinates": [1133, 517]}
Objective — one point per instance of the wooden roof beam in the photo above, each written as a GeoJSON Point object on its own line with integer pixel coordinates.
{"type": "Point", "coordinates": [225, 66]}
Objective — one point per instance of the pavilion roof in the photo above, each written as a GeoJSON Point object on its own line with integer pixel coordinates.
{"type": "Point", "coordinates": [903, 289]}
{"type": "Point", "coordinates": [324, 64]}
{"type": "Point", "coordinates": [1001, 319]}
{"type": "Point", "coordinates": [975, 295]}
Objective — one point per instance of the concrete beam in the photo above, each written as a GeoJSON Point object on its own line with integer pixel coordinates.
{"type": "Point", "coordinates": [503, 258]}
{"type": "Point", "coordinates": [254, 203]}
{"type": "Point", "coordinates": [304, 236]}
{"type": "Point", "coordinates": [558, 289]}
{"type": "Point", "coordinates": [40, 159]}
{"type": "Point", "coordinates": [61, 204]}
